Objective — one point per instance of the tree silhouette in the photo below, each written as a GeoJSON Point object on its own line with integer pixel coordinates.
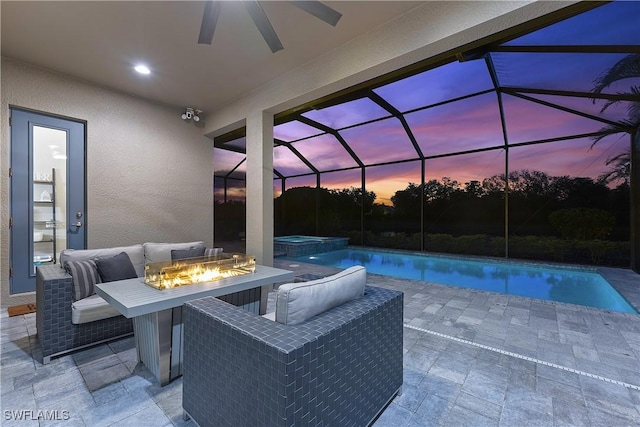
{"type": "Point", "coordinates": [620, 169]}
{"type": "Point", "coordinates": [620, 164]}
{"type": "Point", "coordinates": [627, 68]}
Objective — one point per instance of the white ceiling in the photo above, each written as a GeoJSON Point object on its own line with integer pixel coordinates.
{"type": "Point", "coordinates": [101, 42]}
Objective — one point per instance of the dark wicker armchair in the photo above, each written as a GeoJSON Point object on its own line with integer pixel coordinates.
{"type": "Point", "coordinates": [340, 368]}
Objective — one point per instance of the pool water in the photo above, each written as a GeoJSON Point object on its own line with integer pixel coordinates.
{"type": "Point", "coordinates": [569, 285]}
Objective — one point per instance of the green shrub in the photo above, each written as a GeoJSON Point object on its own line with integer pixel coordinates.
{"type": "Point", "coordinates": [543, 248]}
{"type": "Point", "coordinates": [604, 252]}
{"type": "Point", "coordinates": [439, 243]}
{"type": "Point", "coordinates": [583, 223]}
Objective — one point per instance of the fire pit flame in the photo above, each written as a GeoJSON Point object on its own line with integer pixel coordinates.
{"type": "Point", "coordinates": [172, 274]}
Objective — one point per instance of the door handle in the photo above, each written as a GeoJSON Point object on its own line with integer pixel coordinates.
{"type": "Point", "coordinates": [77, 224]}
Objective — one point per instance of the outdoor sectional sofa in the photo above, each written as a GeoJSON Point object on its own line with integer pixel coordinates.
{"type": "Point", "coordinates": [66, 322]}
{"type": "Point", "coordinates": [340, 367]}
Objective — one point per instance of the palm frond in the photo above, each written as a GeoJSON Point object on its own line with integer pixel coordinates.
{"type": "Point", "coordinates": [627, 67]}
{"type": "Point", "coordinates": [634, 108]}
{"type": "Point", "coordinates": [620, 158]}
{"type": "Point", "coordinates": [633, 91]}
{"type": "Point", "coordinates": [620, 168]}
{"type": "Point", "coordinates": [611, 129]}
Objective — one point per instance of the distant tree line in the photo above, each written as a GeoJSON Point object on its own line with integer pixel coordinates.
{"type": "Point", "coordinates": [544, 213]}
{"type": "Point", "coordinates": [479, 207]}
{"type": "Point", "coordinates": [475, 207]}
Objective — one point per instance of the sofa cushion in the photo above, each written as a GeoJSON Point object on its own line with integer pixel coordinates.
{"type": "Point", "coordinates": [196, 252]}
{"type": "Point", "coordinates": [90, 309]}
{"type": "Point", "coordinates": [209, 252]}
{"type": "Point", "coordinates": [158, 252]}
{"type": "Point", "coordinates": [297, 302]}
{"type": "Point", "coordinates": [84, 275]}
{"type": "Point", "coordinates": [135, 252]}
{"type": "Point", "coordinates": [117, 267]}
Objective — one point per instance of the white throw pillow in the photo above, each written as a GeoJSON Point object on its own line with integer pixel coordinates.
{"type": "Point", "coordinates": [297, 302]}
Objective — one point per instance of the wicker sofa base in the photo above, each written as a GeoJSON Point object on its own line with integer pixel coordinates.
{"type": "Point", "coordinates": [56, 333]}
{"type": "Point", "coordinates": [340, 368]}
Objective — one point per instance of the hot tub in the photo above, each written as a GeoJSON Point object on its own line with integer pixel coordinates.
{"type": "Point", "coordinates": [294, 246]}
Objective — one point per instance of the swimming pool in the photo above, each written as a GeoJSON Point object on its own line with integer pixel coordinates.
{"type": "Point", "coordinates": [570, 285]}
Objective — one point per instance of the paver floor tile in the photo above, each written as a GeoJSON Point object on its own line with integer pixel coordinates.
{"type": "Point", "coordinates": [497, 388]}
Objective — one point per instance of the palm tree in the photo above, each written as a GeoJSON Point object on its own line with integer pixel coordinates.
{"type": "Point", "coordinates": [620, 169]}
{"type": "Point", "coordinates": [628, 67]}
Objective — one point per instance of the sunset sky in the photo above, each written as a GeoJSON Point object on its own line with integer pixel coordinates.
{"type": "Point", "coordinates": [471, 123]}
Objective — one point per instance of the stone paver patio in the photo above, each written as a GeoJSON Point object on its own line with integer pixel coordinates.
{"type": "Point", "coordinates": [471, 358]}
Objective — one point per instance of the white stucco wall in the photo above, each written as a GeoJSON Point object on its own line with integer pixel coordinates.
{"type": "Point", "coordinates": [149, 173]}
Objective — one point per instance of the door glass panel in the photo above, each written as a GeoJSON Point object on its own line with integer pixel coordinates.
{"type": "Point", "coordinates": [49, 194]}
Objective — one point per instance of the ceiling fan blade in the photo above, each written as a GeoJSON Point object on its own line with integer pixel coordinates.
{"type": "Point", "coordinates": [319, 10]}
{"type": "Point", "coordinates": [209, 21]}
{"type": "Point", "coordinates": [264, 26]}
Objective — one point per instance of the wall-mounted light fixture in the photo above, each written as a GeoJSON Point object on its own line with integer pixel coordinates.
{"type": "Point", "coordinates": [191, 114]}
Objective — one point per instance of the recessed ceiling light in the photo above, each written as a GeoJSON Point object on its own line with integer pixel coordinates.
{"type": "Point", "coordinates": [142, 69]}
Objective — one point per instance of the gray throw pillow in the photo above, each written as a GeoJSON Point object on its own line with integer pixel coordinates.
{"type": "Point", "coordinates": [115, 268]}
{"type": "Point", "coordinates": [196, 252]}
{"type": "Point", "coordinates": [84, 275]}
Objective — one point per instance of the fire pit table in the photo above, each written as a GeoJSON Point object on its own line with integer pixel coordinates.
{"type": "Point", "coordinates": [157, 313]}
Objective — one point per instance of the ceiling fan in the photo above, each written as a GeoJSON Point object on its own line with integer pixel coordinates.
{"type": "Point", "coordinates": [259, 17]}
